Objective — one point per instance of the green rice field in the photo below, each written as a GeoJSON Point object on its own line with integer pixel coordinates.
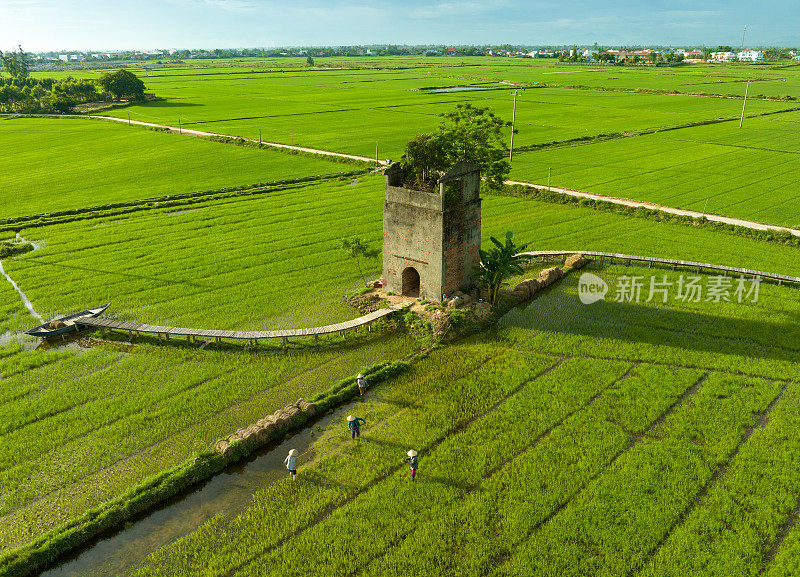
{"type": "Point", "coordinates": [618, 438]}
{"type": "Point", "coordinates": [69, 164]}
{"type": "Point", "coordinates": [750, 172]}
{"type": "Point", "coordinates": [630, 437]}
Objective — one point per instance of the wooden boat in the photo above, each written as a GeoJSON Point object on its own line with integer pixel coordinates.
{"type": "Point", "coordinates": [65, 324]}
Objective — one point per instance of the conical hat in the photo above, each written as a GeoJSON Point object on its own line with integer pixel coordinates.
{"type": "Point", "coordinates": [293, 452]}
{"type": "Point", "coordinates": [351, 418]}
{"type": "Point", "coordinates": [412, 453]}
{"type": "Point", "coordinates": [360, 376]}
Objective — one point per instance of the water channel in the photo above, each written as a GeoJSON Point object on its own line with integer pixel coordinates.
{"type": "Point", "coordinates": [227, 493]}
{"type": "Point", "coordinates": [25, 300]}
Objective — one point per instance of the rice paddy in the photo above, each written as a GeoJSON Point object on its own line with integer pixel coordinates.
{"type": "Point", "coordinates": [619, 438]}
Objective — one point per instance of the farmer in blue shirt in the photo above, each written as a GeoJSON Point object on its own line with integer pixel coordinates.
{"type": "Point", "coordinates": [355, 425]}
{"type": "Point", "coordinates": [413, 462]}
{"type": "Point", "coordinates": [291, 463]}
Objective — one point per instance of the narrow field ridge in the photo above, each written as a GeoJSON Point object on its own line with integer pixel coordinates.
{"type": "Point", "coordinates": [718, 472]}
{"type": "Point", "coordinates": [788, 525]}
{"type": "Point", "coordinates": [332, 507]}
{"type": "Point", "coordinates": [652, 206]}
{"type": "Point", "coordinates": [632, 442]}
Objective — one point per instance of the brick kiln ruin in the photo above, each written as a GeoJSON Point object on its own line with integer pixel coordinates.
{"type": "Point", "coordinates": [431, 240]}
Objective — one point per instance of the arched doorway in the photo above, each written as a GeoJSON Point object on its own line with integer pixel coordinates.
{"type": "Point", "coordinates": [411, 282]}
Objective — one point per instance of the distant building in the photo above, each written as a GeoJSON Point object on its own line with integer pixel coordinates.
{"type": "Point", "coordinates": [723, 56]}
{"type": "Point", "coordinates": [623, 55]}
{"type": "Point", "coordinates": [694, 54]}
{"type": "Point", "coordinates": [750, 56]}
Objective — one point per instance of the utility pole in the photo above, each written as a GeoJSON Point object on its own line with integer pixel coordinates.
{"type": "Point", "coordinates": [180, 130]}
{"type": "Point", "coordinates": [376, 154]}
{"type": "Point", "coordinates": [741, 120]}
{"type": "Point", "coordinates": [513, 122]}
{"type": "Point", "coordinates": [548, 180]}
{"type": "Point", "coordinates": [743, 31]}
{"type": "Point", "coordinates": [259, 136]}
{"type": "Point", "coordinates": [129, 119]}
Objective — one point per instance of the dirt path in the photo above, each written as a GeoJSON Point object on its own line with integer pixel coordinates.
{"type": "Point", "coordinates": [204, 134]}
{"type": "Point", "coordinates": [568, 191]}
{"type": "Point", "coordinates": [649, 205]}
{"type": "Point", "coordinates": [575, 193]}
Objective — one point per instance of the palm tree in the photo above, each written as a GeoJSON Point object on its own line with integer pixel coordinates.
{"type": "Point", "coordinates": [498, 263]}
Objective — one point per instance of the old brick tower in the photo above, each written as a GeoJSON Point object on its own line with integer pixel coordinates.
{"type": "Point", "coordinates": [431, 239]}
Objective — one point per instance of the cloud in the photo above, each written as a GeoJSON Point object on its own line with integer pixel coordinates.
{"type": "Point", "coordinates": [226, 5]}
{"type": "Point", "coordinates": [688, 14]}
{"type": "Point", "coordinates": [456, 9]}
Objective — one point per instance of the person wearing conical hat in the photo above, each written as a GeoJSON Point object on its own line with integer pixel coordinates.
{"type": "Point", "coordinates": [413, 461]}
{"type": "Point", "coordinates": [362, 384]}
{"type": "Point", "coordinates": [355, 425]}
{"type": "Point", "coordinates": [291, 463]}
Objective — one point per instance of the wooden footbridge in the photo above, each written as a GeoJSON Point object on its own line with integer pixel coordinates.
{"type": "Point", "coordinates": [614, 258]}
{"type": "Point", "coordinates": [134, 329]}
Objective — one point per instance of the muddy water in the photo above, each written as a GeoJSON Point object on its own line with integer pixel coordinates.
{"type": "Point", "coordinates": [22, 295]}
{"type": "Point", "coordinates": [226, 493]}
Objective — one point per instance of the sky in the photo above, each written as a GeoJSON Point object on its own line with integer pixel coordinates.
{"type": "Point", "coordinates": [43, 25]}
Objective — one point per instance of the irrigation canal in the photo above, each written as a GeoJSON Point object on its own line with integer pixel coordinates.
{"type": "Point", "coordinates": [227, 493]}
{"type": "Point", "coordinates": [25, 300]}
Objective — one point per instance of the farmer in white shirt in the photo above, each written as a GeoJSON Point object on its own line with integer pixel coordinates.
{"type": "Point", "coordinates": [291, 463]}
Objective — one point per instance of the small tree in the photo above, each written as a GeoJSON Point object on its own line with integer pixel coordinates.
{"type": "Point", "coordinates": [15, 63]}
{"type": "Point", "coordinates": [122, 83]}
{"type": "Point", "coordinates": [357, 248]}
{"type": "Point", "coordinates": [309, 61]}
{"type": "Point", "coordinates": [497, 263]}
{"type": "Point", "coordinates": [426, 159]}
{"type": "Point", "coordinates": [467, 134]}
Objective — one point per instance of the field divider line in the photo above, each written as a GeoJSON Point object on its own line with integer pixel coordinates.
{"type": "Point", "coordinates": [633, 440]}
{"type": "Point", "coordinates": [786, 528]}
{"type": "Point", "coordinates": [671, 409]}
{"type": "Point", "coordinates": [94, 430]}
{"type": "Point", "coordinates": [760, 423]}
{"type": "Point", "coordinates": [672, 365]}
{"type": "Point", "coordinates": [652, 206]}
{"type": "Point", "coordinates": [528, 446]}
{"type": "Point", "coordinates": [391, 471]}
{"type": "Point", "coordinates": [205, 134]}
{"type": "Point", "coordinates": [46, 416]}
{"type": "Point", "coordinates": [546, 433]}
{"type": "Point", "coordinates": [31, 390]}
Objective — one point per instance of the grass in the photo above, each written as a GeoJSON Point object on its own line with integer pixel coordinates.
{"type": "Point", "coordinates": [351, 111]}
{"type": "Point", "coordinates": [69, 164]}
{"type": "Point", "coordinates": [545, 448]}
{"type": "Point", "coordinates": [239, 278]}
{"type": "Point", "coordinates": [631, 438]}
{"type": "Point", "coordinates": [747, 173]}
{"type": "Point", "coordinates": [276, 273]}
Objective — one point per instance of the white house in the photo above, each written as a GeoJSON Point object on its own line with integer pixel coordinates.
{"type": "Point", "coordinates": [723, 56]}
{"type": "Point", "coordinates": [750, 56]}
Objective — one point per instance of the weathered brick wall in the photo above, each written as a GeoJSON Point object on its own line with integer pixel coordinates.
{"type": "Point", "coordinates": [441, 241]}
{"type": "Point", "coordinates": [461, 243]}
{"type": "Point", "coordinates": [412, 237]}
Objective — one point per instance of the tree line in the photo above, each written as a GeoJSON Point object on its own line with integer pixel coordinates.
{"type": "Point", "coordinates": [19, 93]}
